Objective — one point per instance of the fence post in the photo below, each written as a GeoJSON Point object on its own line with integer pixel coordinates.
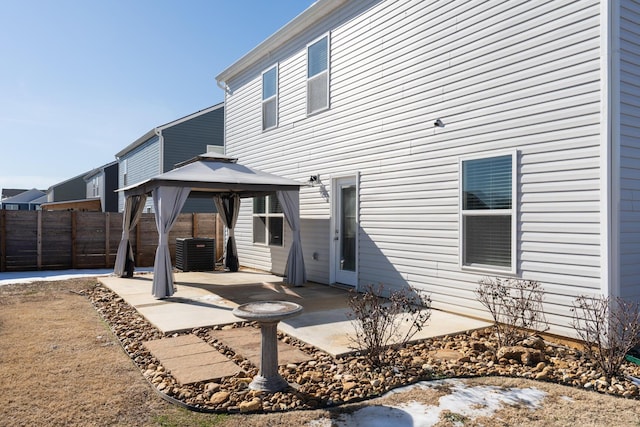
{"type": "Point", "coordinates": [39, 240]}
{"type": "Point", "coordinates": [74, 254]}
{"type": "Point", "coordinates": [3, 240]}
{"type": "Point", "coordinates": [194, 225]}
{"type": "Point", "coordinates": [107, 238]}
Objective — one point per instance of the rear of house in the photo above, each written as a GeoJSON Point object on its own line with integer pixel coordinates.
{"type": "Point", "coordinates": [448, 141]}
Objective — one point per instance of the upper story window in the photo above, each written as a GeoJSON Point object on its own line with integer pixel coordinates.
{"type": "Point", "coordinates": [268, 221]}
{"type": "Point", "coordinates": [318, 75]}
{"type": "Point", "coordinates": [270, 98]}
{"type": "Point", "coordinates": [488, 218]}
{"type": "Point", "coordinates": [125, 172]}
{"type": "Point", "coordinates": [95, 187]}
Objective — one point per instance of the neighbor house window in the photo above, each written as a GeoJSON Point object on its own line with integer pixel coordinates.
{"type": "Point", "coordinates": [95, 187]}
{"type": "Point", "coordinates": [270, 98]}
{"type": "Point", "coordinates": [268, 221]}
{"type": "Point", "coordinates": [125, 172]}
{"type": "Point", "coordinates": [487, 213]}
{"type": "Point", "coordinates": [318, 75]}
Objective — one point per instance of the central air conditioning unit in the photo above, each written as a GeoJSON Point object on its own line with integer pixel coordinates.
{"type": "Point", "coordinates": [195, 254]}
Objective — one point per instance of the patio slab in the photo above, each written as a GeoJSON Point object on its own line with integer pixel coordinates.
{"type": "Point", "coordinates": [206, 299]}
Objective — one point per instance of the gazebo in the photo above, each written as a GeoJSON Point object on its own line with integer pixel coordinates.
{"type": "Point", "coordinates": [227, 182]}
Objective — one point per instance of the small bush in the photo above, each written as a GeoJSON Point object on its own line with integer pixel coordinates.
{"type": "Point", "coordinates": [516, 307]}
{"type": "Point", "coordinates": [609, 328]}
{"type": "Point", "coordinates": [378, 320]}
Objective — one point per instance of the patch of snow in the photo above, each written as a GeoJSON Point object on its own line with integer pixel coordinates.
{"type": "Point", "coordinates": [470, 402]}
{"type": "Point", "coordinates": [14, 277]}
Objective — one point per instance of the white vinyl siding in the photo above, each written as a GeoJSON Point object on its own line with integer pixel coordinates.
{"type": "Point", "coordinates": [514, 75]}
{"type": "Point", "coordinates": [629, 242]}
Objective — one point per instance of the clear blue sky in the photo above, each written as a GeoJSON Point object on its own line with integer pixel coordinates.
{"type": "Point", "coordinates": [82, 79]}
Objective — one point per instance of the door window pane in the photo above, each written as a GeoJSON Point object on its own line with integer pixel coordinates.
{"type": "Point", "coordinates": [349, 228]}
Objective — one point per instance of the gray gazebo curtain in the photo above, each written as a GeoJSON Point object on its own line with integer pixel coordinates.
{"type": "Point", "coordinates": [133, 207]}
{"type": "Point", "coordinates": [167, 202]}
{"type": "Point", "coordinates": [228, 206]}
{"type": "Point", "coordinates": [295, 272]}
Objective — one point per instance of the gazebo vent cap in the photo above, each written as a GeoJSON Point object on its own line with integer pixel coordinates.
{"type": "Point", "coordinates": [208, 157]}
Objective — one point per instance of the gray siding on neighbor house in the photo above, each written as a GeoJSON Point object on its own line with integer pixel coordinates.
{"type": "Point", "coordinates": [191, 137]}
{"type": "Point", "coordinates": [630, 149]}
{"type": "Point", "coordinates": [143, 162]}
{"type": "Point", "coordinates": [72, 189]}
{"type": "Point", "coordinates": [518, 75]}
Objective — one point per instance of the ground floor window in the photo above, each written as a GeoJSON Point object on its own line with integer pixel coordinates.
{"type": "Point", "coordinates": [268, 221]}
{"type": "Point", "coordinates": [487, 213]}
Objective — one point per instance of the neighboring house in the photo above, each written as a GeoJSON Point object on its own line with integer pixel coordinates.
{"type": "Point", "coordinates": [10, 192]}
{"type": "Point", "coordinates": [447, 142]}
{"type": "Point", "coordinates": [27, 200]}
{"type": "Point", "coordinates": [70, 189]}
{"type": "Point", "coordinates": [102, 183]}
{"type": "Point", "coordinates": [160, 149]}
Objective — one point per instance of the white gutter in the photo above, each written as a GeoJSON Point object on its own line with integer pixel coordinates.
{"type": "Point", "coordinates": [300, 23]}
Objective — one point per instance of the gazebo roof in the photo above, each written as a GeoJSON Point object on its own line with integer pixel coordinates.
{"type": "Point", "coordinates": [216, 173]}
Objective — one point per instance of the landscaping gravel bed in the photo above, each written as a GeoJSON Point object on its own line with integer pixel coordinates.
{"type": "Point", "coordinates": [327, 381]}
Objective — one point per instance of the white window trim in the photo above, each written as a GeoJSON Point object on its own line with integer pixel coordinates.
{"type": "Point", "coordinates": [327, 72]}
{"type": "Point", "coordinates": [276, 97]}
{"type": "Point", "coordinates": [267, 215]}
{"type": "Point", "coordinates": [513, 212]}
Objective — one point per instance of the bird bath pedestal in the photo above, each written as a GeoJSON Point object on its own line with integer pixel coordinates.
{"type": "Point", "coordinates": [268, 314]}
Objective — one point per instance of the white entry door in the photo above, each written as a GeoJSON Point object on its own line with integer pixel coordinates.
{"type": "Point", "coordinates": [345, 231]}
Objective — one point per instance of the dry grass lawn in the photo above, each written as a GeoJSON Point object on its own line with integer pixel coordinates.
{"type": "Point", "coordinates": [60, 365]}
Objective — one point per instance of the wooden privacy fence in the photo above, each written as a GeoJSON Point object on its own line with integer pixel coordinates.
{"type": "Point", "coordinates": [54, 240]}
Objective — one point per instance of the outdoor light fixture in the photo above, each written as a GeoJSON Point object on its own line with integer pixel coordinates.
{"type": "Point", "coordinates": [438, 123]}
{"type": "Point", "coordinates": [313, 180]}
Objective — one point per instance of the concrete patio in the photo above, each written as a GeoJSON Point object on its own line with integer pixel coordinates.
{"type": "Point", "coordinates": [206, 299]}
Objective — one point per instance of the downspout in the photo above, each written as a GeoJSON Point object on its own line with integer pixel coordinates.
{"type": "Point", "coordinates": [610, 149]}
{"type": "Point", "coordinates": [614, 164]}
{"type": "Point", "coordinates": [161, 146]}
{"type": "Point", "coordinates": [223, 85]}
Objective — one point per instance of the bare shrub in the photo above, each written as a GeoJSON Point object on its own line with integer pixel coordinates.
{"type": "Point", "coordinates": [609, 328]}
{"type": "Point", "coordinates": [378, 321]}
{"type": "Point", "coordinates": [516, 307]}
